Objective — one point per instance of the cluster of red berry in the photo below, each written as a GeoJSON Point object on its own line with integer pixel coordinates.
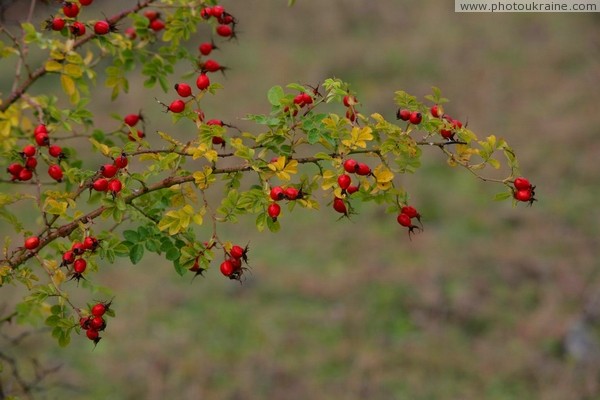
{"type": "Point", "coordinates": [452, 125]}
{"type": "Point", "coordinates": [95, 323]}
{"type": "Point", "coordinates": [523, 190]}
{"type": "Point", "coordinates": [350, 101]}
{"type": "Point", "coordinates": [107, 180]}
{"type": "Point", "coordinates": [351, 166]}
{"type": "Point", "coordinates": [70, 10]}
{"type": "Point", "coordinates": [278, 193]}
{"type": "Point", "coordinates": [232, 266]}
{"type": "Point", "coordinates": [227, 22]}
{"type": "Point", "coordinates": [74, 256]}
{"type": "Point", "coordinates": [407, 213]}
{"type": "Point", "coordinates": [24, 170]}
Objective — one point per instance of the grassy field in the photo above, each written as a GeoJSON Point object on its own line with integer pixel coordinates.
{"type": "Point", "coordinates": [489, 302]}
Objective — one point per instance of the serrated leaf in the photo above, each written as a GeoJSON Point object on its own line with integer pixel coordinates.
{"type": "Point", "coordinates": [136, 253]}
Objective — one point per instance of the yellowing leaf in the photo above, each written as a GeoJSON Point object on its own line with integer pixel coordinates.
{"type": "Point", "coordinates": [53, 66]}
{"type": "Point", "coordinates": [383, 174]}
{"type": "Point", "coordinates": [55, 207]}
{"type": "Point", "coordinates": [291, 168]}
{"type": "Point", "coordinates": [329, 180]}
{"type": "Point", "coordinates": [68, 85]}
{"type": "Point", "coordinates": [358, 137]}
{"type": "Point", "coordinates": [278, 164]}
{"type": "Point", "coordinates": [104, 149]}
{"type": "Point", "coordinates": [202, 179]}
{"type": "Point", "coordinates": [73, 71]}
{"type": "Point", "coordinates": [58, 277]}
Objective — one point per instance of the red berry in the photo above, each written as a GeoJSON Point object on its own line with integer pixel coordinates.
{"type": "Point", "coordinates": [121, 161]}
{"type": "Point", "coordinates": [130, 33]}
{"type": "Point", "coordinates": [31, 163]}
{"type": "Point", "coordinates": [349, 100]}
{"type": "Point", "coordinates": [236, 262]}
{"type": "Point", "coordinates": [307, 98]}
{"type": "Point", "coordinates": [218, 140]}
{"type": "Point", "coordinates": [177, 106]}
{"type": "Point", "coordinates": [100, 185]}
{"type": "Point", "coordinates": [227, 268]}
{"type": "Point", "coordinates": [291, 193]}
{"type": "Point", "coordinates": [404, 220]}
{"type": "Point", "coordinates": [350, 166]}
{"type": "Point", "coordinates": [200, 114]}
{"type": "Point", "coordinates": [211, 66]}
{"type": "Point", "coordinates": [98, 323]}
{"type": "Point", "coordinates": [41, 128]}
{"type": "Point", "coordinates": [57, 24]}
{"type": "Point", "coordinates": [84, 322]}
{"type": "Point", "coordinates": [351, 114]}
{"type": "Point", "coordinates": [86, 2]}
{"type": "Point", "coordinates": [90, 243]}
{"type": "Point", "coordinates": [14, 169]}
{"type": "Point", "coordinates": [101, 28]}
{"type": "Point", "coordinates": [410, 211]}
{"type": "Point", "coordinates": [42, 139]}
{"type": "Point", "coordinates": [352, 189]}
{"type": "Point", "coordinates": [55, 151]}
{"type": "Point", "coordinates": [28, 151]}
{"type": "Point", "coordinates": [55, 172]}
{"type": "Point", "coordinates": [70, 9]}
{"type": "Point", "coordinates": [25, 175]}
{"type": "Point", "coordinates": [447, 133]}
{"type": "Point", "coordinates": [108, 170]}
{"type": "Point", "coordinates": [206, 12]}
{"type": "Point", "coordinates": [299, 100]}
{"type": "Point", "coordinates": [140, 135]}
{"type": "Point", "coordinates": [344, 181]}
{"type": "Point", "coordinates": [435, 111]}
{"type": "Point", "coordinates": [151, 14]}
{"type": "Point", "coordinates": [202, 82]}
{"type": "Point", "coordinates": [217, 11]}
{"type": "Point", "coordinates": [415, 118]}
{"type": "Point", "coordinates": [237, 252]}
{"type": "Point", "coordinates": [183, 89]}
{"type": "Point", "coordinates": [92, 334]}
{"type": "Point", "coordinates": [68, 257]}
{"type": "Point", "coordinates": [77, 248]}
{"type": "Point", "coordinates": [286, 110]}
{"type": "Point", "coordinates": [524, 195]}
{"type": "Point", "coordinates": [77, 28]}
{"type": "Point", "coordinates": [403, 114]}
{"type": "Point", "coordinates": [214, 122]}
{"type": "Point", "coordinates": [157, 25]}
{"type": "Point", "coordinates": [79, 265]}
{"type": "Point", "coordinates": [114, 186]}
{"type": "Point", "coordinates": [363, 169]}
{"type": "Point", "coordinates": [456, 124]}
{"type": "Point", "coordinates": [522, 184]}
{"type": "Point", "coordinates": [274, 210]}
{"type": "Point", "coordinates": [206, 48]}
{"type": "Point", "coordinates": [277, 193]}
{"type": "Point", "coordinates": [340, 206]}
{"type": "Point", "coordinates": [132, 119]}
{"type": "Point", "coordinates": [224, 30]}
{"type": "Point", "coordinates": [32, 242]}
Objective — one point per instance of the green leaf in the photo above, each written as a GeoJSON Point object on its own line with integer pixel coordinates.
{"type": "Point", "coordinates": [136, 253]}
{"type": "Point", "coordinates": [275, 94]}
{"type": "Point", "coordinates": [172, 254]}
{"type": "Point", "coordinates": [131, 236]}
{"type": "Point", "coordinates": [502, 196]}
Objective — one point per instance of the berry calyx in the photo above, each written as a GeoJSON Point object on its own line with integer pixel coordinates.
{"type": "Point", "coordinates": [351, 166]}
{"type": "Point", "coordinates": [202, 82]}
{"type": "Point", "coordinates": [177, 106]}
{"type": "Point", "coordinates": [32, 242]}
{"type": "Point", "coordinates": [55, 172]}
{"type": "Point", "coordinates": [415, 118]}
{"type": "Point", "coordinates": [277, 193]}
{"type": "Point", "coordinates": [183, 89]}
{"type": "Point", "coordinates": [274, 210]}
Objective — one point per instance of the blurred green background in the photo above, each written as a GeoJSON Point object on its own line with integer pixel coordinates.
{"type": "Point", "coordinates": [489, 302]}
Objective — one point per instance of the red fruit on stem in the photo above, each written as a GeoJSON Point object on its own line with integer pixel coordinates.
{"type": "Point", "coordinates": [291, 193]}
{"type": "Point", "coordinates": [70, 9]}
{"type": "Point", "coordinates": [404, 220]}
{"type": "Point", "coordinates": [183, 89]}
{"type": "Point", "coordinates": [90, 243]}
{"type": "Point", "coordinates": [350, 100]}
{"type": "Point", "coordinates": [202, 82]}
{"type": "Point", "coordinates": [211, 66]}
{"type": "Point", "coordinates": [344, 181]}
{"type": "Point", "coordinates": [93, 335]}
{"type": "Point", "coordinates": [363, 169]}
{"type": "Point", "coordinates": [218, 140]}
{"type": "Point", "coordinates": [351, 114]}
{"type": "Point", "coordinates": [224, 30]}
{"type": "Point", "coordinates": [340, 206]}
{"type": "Point", "coordinates": [42, 139]}
{"type": "Point", "coordinates": [277, 193]}
{"type": "Point", "coordinates": [32, 242]}
{"type": "Point", "coordinates": [206, 48]}
{"type": "Point", "coordinates": [307, 98]}
{"type": "Point", "coordinates": [403, 114]}
{"type": "Point", "coordinates": [98, 323]}
{"type": "Point", "coordinates": [100, 185]}
{"type": "Point", "coordinates": [522, 183]}
{"type": "Point", "coordinates": [130, 33]}
{"type": "Point", "coordinates": [121, 161]}
{"type": "Point", "coordinates": [25, 175]}
{"type": "Point", "coordinates": [227, 268]}
{"type": "Point", "coordinates": [177, 106]}
{"type": "Point", "coordinates": [140, 134]}
{"type": "Point", "coordinates": [31, 163]}
{"type": "Point", "coordinates": [14, 169]}
{"type": "Point", "coordinates": [79, 266]}
{"type": "Point", "coordinates": [77, 248]}
{"type": "Point", "coordinates": [108, 170]}
{"type": "Point", "coordinates": [350, 166]}
{"type": "Point", "coordinates": [447, 133]}
{"type": "Point", "coordinates": [84, 322]}
{"type": "Point", "coordinates": [68, 257]}
{"type": "Point", "coordinates": [131, 119]}
{"type": "Point", "coordinates": [28, 151]}
{"type": "Point", "coordinates": [236, 262]}
{"type": "Point", "coordinates": [352, 189]}
{"type": "Point", "coordinates": [55, 151]}
{"type": "Point", "coordinates": [524, 195]}
{"type": "Point", "coordinates": [157, 25]}
{"type": "Point", "coordinates": [274, 210]}
{"type": "Point", "coordinates": [77, 28]}
{"type": "Point", "coordinates": [435, 111]}
{"type": "Point", "coordinates": [86, 2]}
{"type": "Point", "coordinates": [410, 211]}
{"type": "Point", "coordinates": [206, 12]}
{"type": "Point", "coordinates": [56, 24]}
{"type": "Point", "coordinates": [299, 100]}
{"type": "Point", "coordinates": [41, 128]}
{"type": "Point", "coordinates": [151, 14]}
{"type": "Point", "coordinates": [237, 251]}
{"type": "Point", "coordinates": [217, 11]}
{"type": "Point", "coordinates": [214, 122]}
{"type": "Point", "coordinates": [415, 118]}
{"type": "Point", "coordinates": [114, 186]}
{"type": "Point", "coordinates": [101, 28]}
{"type": "Point", "coordinates": [55, 172]}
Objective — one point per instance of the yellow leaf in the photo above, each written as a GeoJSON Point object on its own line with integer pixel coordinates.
{"type": "Point", "coordinates": [329, 180]}
{"type": "Point", "coordinates": [53, 66]}
{"type": "Point", "coordinates": [74, 71]}
{"type": "Point", "coordinates": [104, 149]}
{"type": "Point", "coordinates": [58, 277]}
{"type": "Point", "coordinates": [55, 207]}
{"type": "Point", "coordinates": [278, 164]}
{"type": "Point", "coordinates": [68, 84]}
{"type": "Point", "coordinates": [383, 174]}
{"type": "Point", "coordinates": [203, 178]}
